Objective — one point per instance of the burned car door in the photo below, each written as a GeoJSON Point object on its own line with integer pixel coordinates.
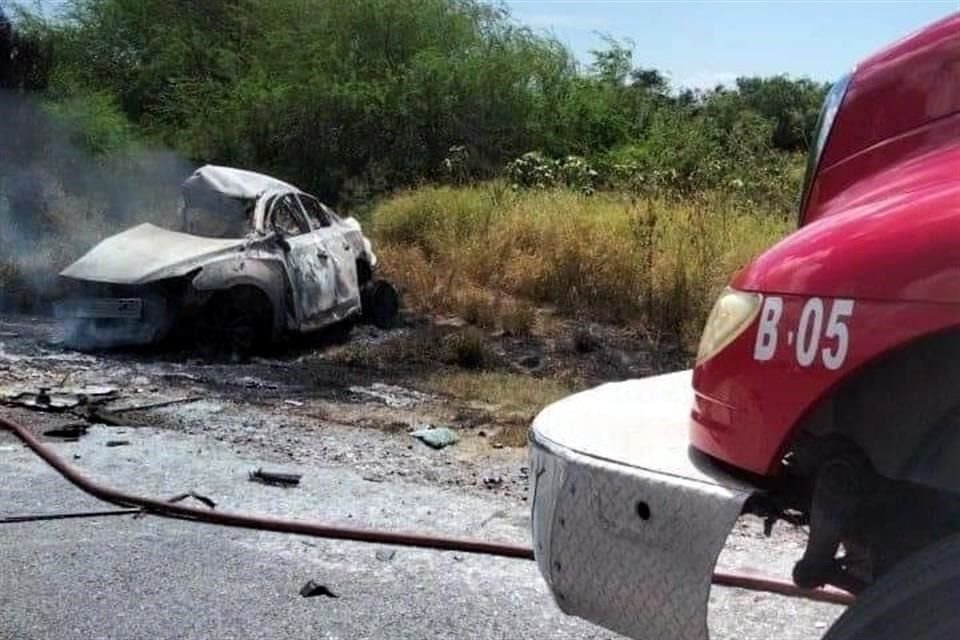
{"type": "Point", "coordinates": [342, 252]}
{"type": "Point", "coordinates": [309, 265]}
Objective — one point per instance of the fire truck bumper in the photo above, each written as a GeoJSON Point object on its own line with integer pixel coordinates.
{"type": "Point", "coordinates": [628, 519]}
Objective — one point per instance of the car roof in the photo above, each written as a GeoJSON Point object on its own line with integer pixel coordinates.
{"type": "Point", "coordinates": [228, 182]}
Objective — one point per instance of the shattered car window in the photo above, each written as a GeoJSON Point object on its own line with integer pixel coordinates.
{"type": "Point", "coordinates": [220, 223]}
{"type": "Point", "coordinates": [316, 215]}
{"type": "Point", "coordinates": [285, 218]}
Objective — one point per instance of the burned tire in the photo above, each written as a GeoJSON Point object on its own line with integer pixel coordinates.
{"type": "Point", "coordinates": [381, 303]}
{"type": "Point", "coordinates": [917, 600]}
{"type": "Point", "coordinates": [233, 324]}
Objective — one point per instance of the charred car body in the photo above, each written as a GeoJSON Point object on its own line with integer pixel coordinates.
{"type": "Point", "coordinates": [256, 258]}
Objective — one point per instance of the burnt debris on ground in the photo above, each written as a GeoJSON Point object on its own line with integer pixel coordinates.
{"type": "Point", "coordinates": [317, 400]}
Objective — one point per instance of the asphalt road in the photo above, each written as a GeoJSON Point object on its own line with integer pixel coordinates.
{"type": "Point", "coordinates": [125, 578]}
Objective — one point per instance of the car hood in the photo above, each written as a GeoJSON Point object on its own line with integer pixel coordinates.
{"type": "Point", "coordinates": [146, 253]}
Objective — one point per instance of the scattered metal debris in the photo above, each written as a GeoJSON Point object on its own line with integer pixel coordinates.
{"type": "Point", "coordinates": [275, 478]}
{"type": "Point", "coordinates": [58, 398]}
{"type": "Point", "coordinates": [436, 437]}
{"type": "Point", "coordinates": [68, 432]}
{"type": "Point", "coordinates": [386, 555]}
{"type": "Point", "coordinates": [392, 395]}
{"type": "Point", "coordinates": [55, 399]}
{"type": "Point", "coordinates": [117, 443]}
{"type": "Point", "coordinates": [196, 496]}
{"type": "Point", "coordinates": [157, 405]}
{"type": "Point", "coordinates": [254, 383]}
{"type": "Point", "coordinates": [313, 589]}
{"type": "Point", "coordinates": [491, 482]}
{"type": "Point", "coordinates": [176, 375]}
{"type": "Point", "coordinates": [98, 415]}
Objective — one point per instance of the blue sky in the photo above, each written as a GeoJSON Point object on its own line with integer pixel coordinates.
{"type": "Point", "coordinates": [702, 43]}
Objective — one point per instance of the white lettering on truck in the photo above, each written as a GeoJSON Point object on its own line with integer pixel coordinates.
{"type": "Point", "coordinates": [809, 333]}
{"type": "Point", "coordinates": [766, 344]}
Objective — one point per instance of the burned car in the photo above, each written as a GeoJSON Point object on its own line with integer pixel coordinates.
{"type": "Point", "coordinates": [255, 258]}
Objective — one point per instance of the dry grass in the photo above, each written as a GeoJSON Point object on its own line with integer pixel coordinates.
{"type": "Point", "coordinates": [511, 393]}
{"type": "Point", "coordinates": [518, 319]}
{"type": "Point", "coordinates": [467, 348]}
{"type": "Point", "coordinates": [470, 250]}
{"type": "Point", "coordinates": [515, 398]}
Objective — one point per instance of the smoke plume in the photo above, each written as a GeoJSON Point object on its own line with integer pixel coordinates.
{"type": "Point", "coordinates": [58, 198]}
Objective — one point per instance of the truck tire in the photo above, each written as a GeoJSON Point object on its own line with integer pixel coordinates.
{"type": "Point", "coordinates": [919, 599]}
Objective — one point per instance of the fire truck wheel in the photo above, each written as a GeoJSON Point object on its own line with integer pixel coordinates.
{"type": "Point", "coordinates": [918, 599]}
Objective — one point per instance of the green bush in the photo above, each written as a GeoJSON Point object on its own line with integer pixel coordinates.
{"type": "Point", "coordinates": [94, 121]}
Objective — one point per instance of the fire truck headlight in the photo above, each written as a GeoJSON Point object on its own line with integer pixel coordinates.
{"type": "Point", "coordinates": [733, 312]}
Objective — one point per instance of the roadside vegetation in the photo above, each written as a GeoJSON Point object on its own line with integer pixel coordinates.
{"type": "Point", "coordinates": [487, 253]}
{"type": "Point", "coordinates": [498, 174]}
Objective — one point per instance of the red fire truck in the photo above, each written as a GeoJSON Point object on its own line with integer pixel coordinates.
{"type": "Point", "coordinates": [826, 392]}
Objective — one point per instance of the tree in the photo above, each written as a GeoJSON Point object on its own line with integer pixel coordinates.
{"type": "Point", "coordinates": [650, 81]}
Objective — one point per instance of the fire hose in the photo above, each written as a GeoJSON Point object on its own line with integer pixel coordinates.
{"type": "Point", "coordinates": [135, 504]}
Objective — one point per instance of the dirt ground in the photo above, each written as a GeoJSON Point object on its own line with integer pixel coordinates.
{"type": "Point", "coordinates": [323, 403]}
{"type": "Point", "coordinates": [330, 399]}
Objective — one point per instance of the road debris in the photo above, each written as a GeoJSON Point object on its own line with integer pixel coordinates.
{"type": "Point", "coordinates": [117, 443]}
{"type": "Point", "coordinates": [293, 403]}
{"type": "Point", "coordinates": [392, 395]}
{"type": "Point", "coordinates": [386, 555]}
{"type": "Point", "coordinates": [176, 375]}
{"type": "Point", "coordinates": [157, 405]}
{"type": "Point", "coordinates": [313, 589]}
{"type": "Point", "coordinates": [196, 496]}
{"type": "Point", "coordinates": [274, 478]}
{"type": "Point", "coordinates": [68, 432]}
{"type": "Point", "coordinates": [436, 437]}
{"type": "Point", "coordinates": [55, 399]}
{"type": "Point", "coordinates": [500, 513]}
{"type": "Point", "coordinates": [98, 415]}
{"type": "Point", "coordinates": [254, 383]}
{"type": "Point", "coordinates": [491, 482]}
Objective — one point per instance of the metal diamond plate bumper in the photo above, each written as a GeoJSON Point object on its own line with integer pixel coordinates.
{"type": "Point", "coordinates": [628, 520]}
